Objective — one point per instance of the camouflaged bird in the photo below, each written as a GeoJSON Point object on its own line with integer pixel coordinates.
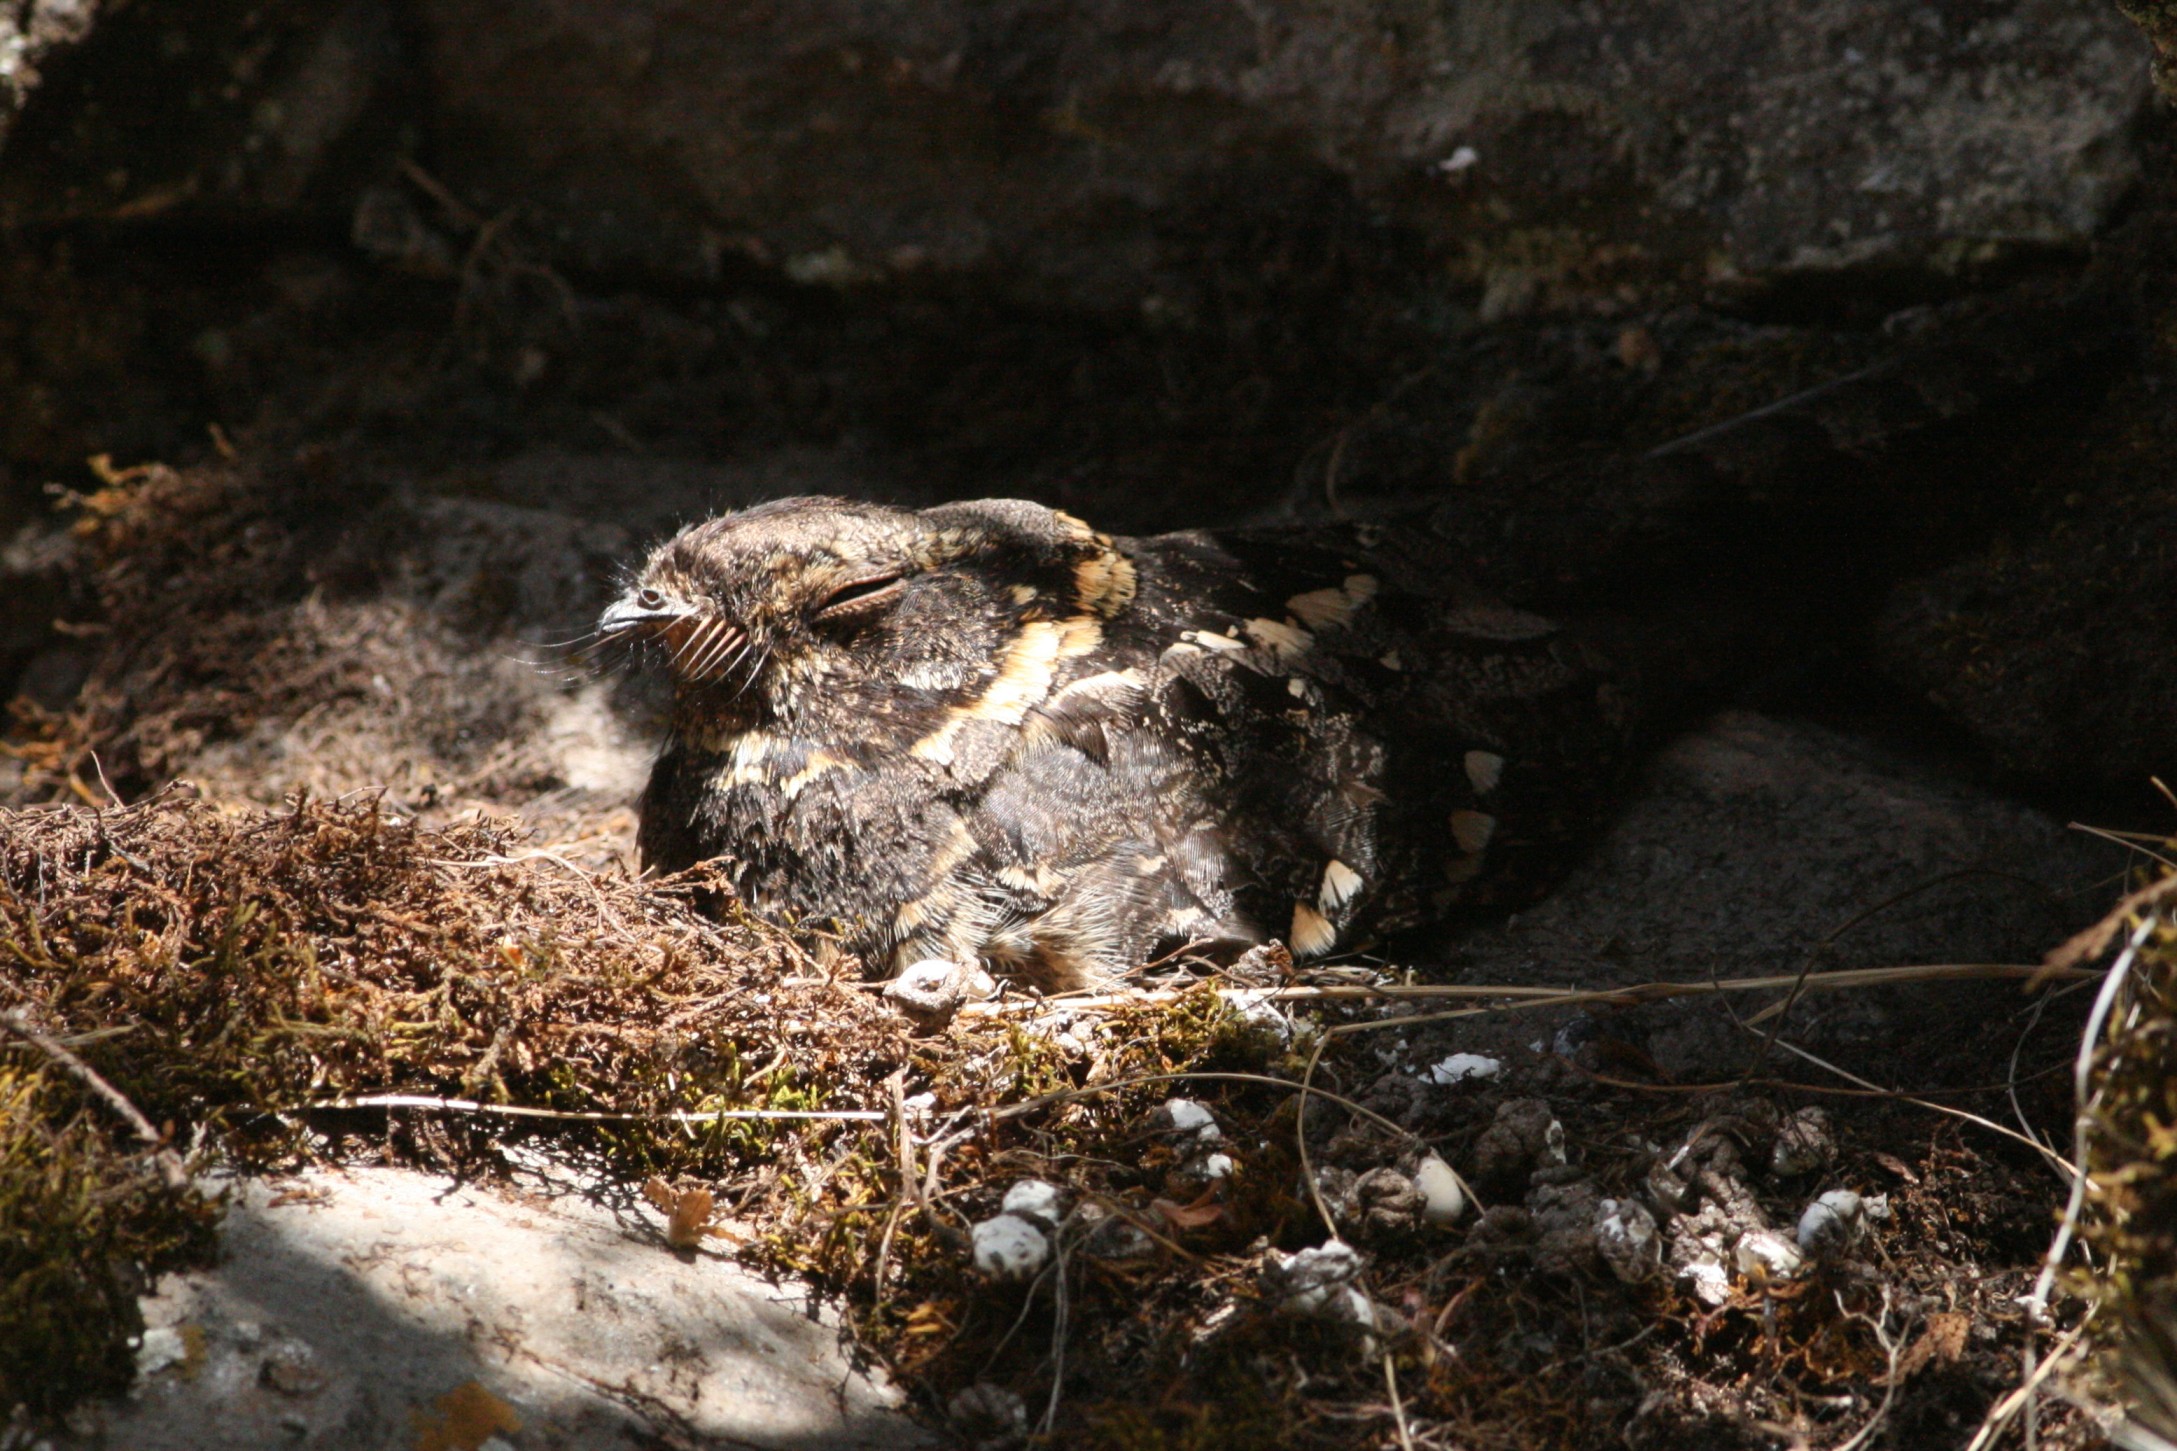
{"type": "Point", "coordinates": [984, 731]}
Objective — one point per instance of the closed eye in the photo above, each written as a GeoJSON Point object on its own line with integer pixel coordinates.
{"type": "Point", "coordinates": [863, 594]}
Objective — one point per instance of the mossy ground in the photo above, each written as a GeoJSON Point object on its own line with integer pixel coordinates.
{"type": "Point", "coordinates": [2130, 1116]}
{"type": "Point", "coordinates": [238, 972]}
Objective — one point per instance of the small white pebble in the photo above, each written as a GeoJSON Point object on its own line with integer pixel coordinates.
{"type": "Point", "coordinates": [1704, 1274]}
{"type": "Point", "coordinates": [1804, 1143]}
{"type": "Point", "coordinates": [1312, 1281]}
{"type": "Point", "coordinates": [1832, 1225]}
{"type": "Point", "coordinates": [1444, 1198]}
{"type": "Point", "coordinates": [162, 1346]}
{"type": "Point", "coordinates": [1212, 1167]}
{"type": "Point", "coordinates": [1625, 1237]}
{"type": "Point", "coordinates": [1459, 1067]}
{"type": "Point", "coordinates": [1765, 1254]}
{"type": "Point", "coordinates": [1008, 1247]}
{"type": "Point", "coordinates": [1185, 1116]}
{"type": "Point", "coordinates": [1035, 1201]}
{"type": "Point", "coordinates": [928, 986]}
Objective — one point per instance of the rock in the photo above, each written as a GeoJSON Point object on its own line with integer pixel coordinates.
{"type": "Point", "coordinates": [161, 1346]}
{"type": "Point", "coordinates": [352, 1307]}
{"type": "Point", "coordinates": [1443, 1197]}
{"type": "Point", "coordinates": [1564, 1219]}
{"type": "Point", "coordinates": [1073, 1034]}
{"type": "Point", "coordinates": [1267, 1028]}
{"type": "Point", "coordinates": [932, 991]}
{"type": "Point", "coordinates": [988, 1415]}
{"type": "Point", "coordinates": [1107, 157]}
{"type": "Point", "coordinates": [1035, 1201]}
{"type": "Point", "coordinates": [1804, 1143]}
{"type": "Point", "coordinates": [1008, 1247]}
{"type": "Point", "coordinates": [1744, 849]}
{"type": "Point", "coordinates": [1186, 1117]}
{"type": "Point", "coordinates": [1832, 1226]}
{"type": "Point", "coordinates": [291, 1367]}
{"type": "Point", "coordinates": [1524, 1134]}
{"type": "Point", "coordinates": [1763, 1255]}
{"type": "Point", "coordinates": [1206, 1166]}
{"type": "Point", "coordinates": [1698, 1252]}
{"type": "Point", "coordinates": [1460, 1067]}
{"type": "Point", "coordinates": [1336, 1184]}
{"type": "Point", "coordinates": [2052, 652]}
{"type": "Point", "coordinates": [1626, 1240]}
{"type": "Point", "coordinates": [1318, 1284]}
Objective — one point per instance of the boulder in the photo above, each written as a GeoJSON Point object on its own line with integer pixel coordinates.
{"type": "Point", "coordinates": [383, 1307]}
{"type": "Point", "coordinates": [1755, 847]}
{"type": "Point", "coordinates": [1106, 154]}
{"type": "Point", "coordinates": [2053, 651]}
{"type": "Point", "coordinates": [203, 112]}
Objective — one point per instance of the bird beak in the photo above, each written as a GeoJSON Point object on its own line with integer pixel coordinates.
{"type": "Point", "coordinates": [700, 645]}
{"type": "Point", "coordinates": [625, 619]}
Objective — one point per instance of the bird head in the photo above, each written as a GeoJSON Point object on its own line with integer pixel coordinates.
{"type": "Point", "coordinates": [813, 605]}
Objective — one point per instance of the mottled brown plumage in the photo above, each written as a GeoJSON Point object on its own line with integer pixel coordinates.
{"type": "Point", "coordinates": [986, 731]}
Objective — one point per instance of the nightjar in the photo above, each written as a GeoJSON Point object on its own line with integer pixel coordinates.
{"type": "Point", "coordinates": [985, 731]}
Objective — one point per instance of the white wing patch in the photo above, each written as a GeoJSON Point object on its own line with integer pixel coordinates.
{"type": "Point", "coordinates": [1472, 830]}
{"type": "Point", "coordinates": [1483, 770]}
{"type": "Point", "coordinates": [1321, 609]}
{"type": "Point", "coordinates": [1341, 884]}
{"type": "Point", "coordinates": [1311, 935]}
{"type": "Point", "coordinates": [1285, 641]}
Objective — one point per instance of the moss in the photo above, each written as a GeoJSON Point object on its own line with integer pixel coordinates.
{"type": "Point", "coordinates": [84, 1224]}
{"type": "Point", "coordinates": [227, 972]}
{"type": "Point", "coordinates": [244, 975]}
{"type": "Point", "coordinates": [2132, 1153]}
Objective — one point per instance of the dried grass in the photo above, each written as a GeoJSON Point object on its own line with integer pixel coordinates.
{"type": "Point", "coordinates": [2129, 1131]}
{"type": "Point", "coordinates": [249, 649]}
{"type": "Point", "coordinates": [389, 973]}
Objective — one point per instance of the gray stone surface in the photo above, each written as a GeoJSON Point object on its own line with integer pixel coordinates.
{"type": "Point", "coordinates": [210, 111]}
{"type": "Point", "coordinates": [36, 661]}
{"type": "Point", "coordinates": [2053, 650]}
{"type": "Point", "coordinates": [35, 561]}
{"type": "Point", "coordinates": [1096, 151]}
{"type": "Point", "coordinates": [385, 1308]}
{"type": "Point", "coordinates": [1755, 845]}
{"type": "Point", "coordinates": [1108, 153]}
